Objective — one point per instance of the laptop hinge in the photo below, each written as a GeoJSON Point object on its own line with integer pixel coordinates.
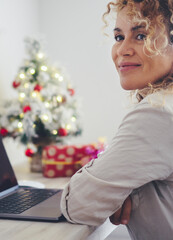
{"type": "Point", "coordinates": [10, 190]}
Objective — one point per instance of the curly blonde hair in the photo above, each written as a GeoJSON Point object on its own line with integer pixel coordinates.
{"type": "Point", "coordinates": [152, 13]}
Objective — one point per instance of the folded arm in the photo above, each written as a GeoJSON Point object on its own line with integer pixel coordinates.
{"type": "Point", "coordinates": [140, 152]}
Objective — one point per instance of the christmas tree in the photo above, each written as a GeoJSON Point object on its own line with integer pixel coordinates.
{"type": "Point", "coordinates": [46, 109]}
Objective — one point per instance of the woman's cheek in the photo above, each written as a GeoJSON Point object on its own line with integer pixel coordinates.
{"type": "Point", "coordinates": [114, 55]}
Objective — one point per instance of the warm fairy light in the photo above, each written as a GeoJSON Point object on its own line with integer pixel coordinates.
{"type": "Point", "coordinates": [44, 68]}
{"type": "Point", "coordinates": [69, 86]}
{"type": "Point", "coordinates": [102, 139]}
{"type": "Point", "coordinates": [20, 130]}
{"type": "Point", "coordinates": [68, 127]}
{"type": "Point", "coordinates": [40, 55]}
{"type": "Point", "coordinates": [21, 96]}
{"type": "Point", "coordinates": [54, 132]}
{"type": "Point", "coordinates": [21, 75]}
{"type": "Point", "coordinates": [34, 94]}
{"type": "Point", "coordinates": [34, 125]}
{"type": "Point", "coordinates": [59, 98]}
{"type": "Point", "coordinates": [47, 104]}
{"type": "Point", "coordinates": [57, 75]}
{"type": "Point", "coordinates": [20, 125]}
{"type": "Point", "coordinates": [60, 78]}
{"type": "Point", "coordinates": [26, 85]}
{"type": "Point", "coordinates": [32, 71]}
{"type": "Point", "coordinates": [21, 115]}
{"type": "Point", "coordinates": [73, 119]}
{"type": "Point", "coordinates": [45, 117]}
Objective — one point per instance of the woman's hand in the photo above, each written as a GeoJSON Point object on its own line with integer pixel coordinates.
{"type": "Point", "coordinates": [122, 215]}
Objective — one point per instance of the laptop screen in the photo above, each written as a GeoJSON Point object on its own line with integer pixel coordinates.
{"type": "Point", "coordinates": [7, 176]}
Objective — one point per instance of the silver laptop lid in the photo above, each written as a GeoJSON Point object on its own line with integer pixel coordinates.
{"type": "Point", "coordinates": [7, 177]}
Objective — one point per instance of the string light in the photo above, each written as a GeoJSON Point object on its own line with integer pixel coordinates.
{"type": "Point", "coordinates": [21, 75]}
{"type": "Point", "coordinates": [21, 96]}
{"type": "Point", "coordinates": [47, 104]}
{"type": "Point", "coordinates": [60, 78]}
{"type": "Point", "coordinates": [35, 94]}
{"type": "Point", "coordinates": [68, 127]}
{"type": "Point", "coordinates": [26, 85]}
{"type": "Point", "coordinates": [59, 98]}
{"type": "Point", "coordinates": [45, 117]}
{"type": "Point", "coordinates": [40, 55]}
{"type": "Point", "coordinates": [56, 75]}
{"type": "Point", "coordinates": [43, 68]}
{"type": "Point", "coordinates": [20, 130]}
{"type": "Point", "coordinates": [21, 115]}
{"type": "Point", "coordinates": [20, 125]}
{"type": "Point", "coordinates": [54, 132]}
{"type": "Point", "coordinates": [73, 119]}
{"type": "Point", "coordinates": [32, 71]}
{"type": "Point", "coordinates": [69, 86]}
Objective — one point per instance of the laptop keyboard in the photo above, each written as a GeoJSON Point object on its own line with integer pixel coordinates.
{"type": "Point", "coordinates": [24, 199]}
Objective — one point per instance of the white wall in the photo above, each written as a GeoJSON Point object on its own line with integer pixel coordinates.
{"type": "Point", "coordinates": [74, 38]}
{"type": "Point", "coordinates": [72, 30]}
{"type": "Point", "coordinates": [18, 18]}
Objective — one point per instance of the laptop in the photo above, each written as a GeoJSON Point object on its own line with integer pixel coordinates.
{"type": "Point", "coordinates": [24, 202]}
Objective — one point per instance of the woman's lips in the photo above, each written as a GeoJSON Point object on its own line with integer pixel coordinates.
{"type": "Point", "coordinates": [123, 67]}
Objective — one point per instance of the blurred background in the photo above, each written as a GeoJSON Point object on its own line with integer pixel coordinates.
{"type": "Point", "coordinates": [73, 37]}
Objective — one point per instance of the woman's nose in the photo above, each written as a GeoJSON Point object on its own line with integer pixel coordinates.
{"type": "Point", "coordinates": [126, 48]}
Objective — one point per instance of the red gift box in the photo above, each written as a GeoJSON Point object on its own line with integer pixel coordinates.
{"type": "Point", "coordinates": [64, 161]}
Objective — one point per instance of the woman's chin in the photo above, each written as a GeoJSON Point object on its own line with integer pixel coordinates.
{"type": "Point", "coordinates": [127, 87]}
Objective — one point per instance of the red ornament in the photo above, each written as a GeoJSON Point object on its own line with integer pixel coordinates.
{"type": "Point", "coordinates": [26, 108]}
{"type": "Point", "coordinates": [29, 152]}
{"type": "Point", "coordinates": [38, 88]}
{"type": "Point", "coordinates": [3, 132]}
{"type": "Point", "coordinates": [16, 84]}
{"type": "Point", "coordinates": [71, 91]}
{"type": "Point", "coordinates": [62, 132]}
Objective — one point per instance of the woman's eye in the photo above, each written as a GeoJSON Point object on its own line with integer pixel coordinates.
{"type": "Point", "coordinates": [141, 37]}
{"type": "Point", "coordinates": [118, 38]}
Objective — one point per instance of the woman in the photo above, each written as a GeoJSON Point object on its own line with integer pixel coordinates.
{"type": "Point", "coordinates": [139, 161]}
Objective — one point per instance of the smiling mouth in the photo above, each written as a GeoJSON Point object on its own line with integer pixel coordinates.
{"type": "Point", "coordinates": [127, 67]}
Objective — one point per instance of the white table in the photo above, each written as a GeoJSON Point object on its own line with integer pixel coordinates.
{"type": "Point", "coordinates": [29, 230]}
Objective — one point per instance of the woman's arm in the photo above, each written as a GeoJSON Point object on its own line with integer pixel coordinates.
{"type": "Point", "coordinates": [140, 152]}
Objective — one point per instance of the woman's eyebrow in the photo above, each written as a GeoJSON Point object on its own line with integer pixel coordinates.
{"type": "Point", "coordinates": [132, 29]}
{"type": "Point", "coordinates": [137, 27]}
{"type": "Point", "coordinates": [117, 29]}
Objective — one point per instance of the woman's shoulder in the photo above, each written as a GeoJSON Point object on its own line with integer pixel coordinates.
{"type": "Point", "coordinates": [161, 100]}
{"type": "Point", "coordinates": [154, 111]}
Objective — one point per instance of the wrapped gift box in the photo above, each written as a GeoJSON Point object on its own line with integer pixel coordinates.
{"type": "Point", "coordinates": [64, 161]}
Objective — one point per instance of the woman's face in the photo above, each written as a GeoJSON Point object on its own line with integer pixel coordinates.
{"type": "Point", "coordinates": [135, 68]}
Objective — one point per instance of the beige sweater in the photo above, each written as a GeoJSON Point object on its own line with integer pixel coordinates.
{"type": "Point", "coordinates": [139, 161]}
